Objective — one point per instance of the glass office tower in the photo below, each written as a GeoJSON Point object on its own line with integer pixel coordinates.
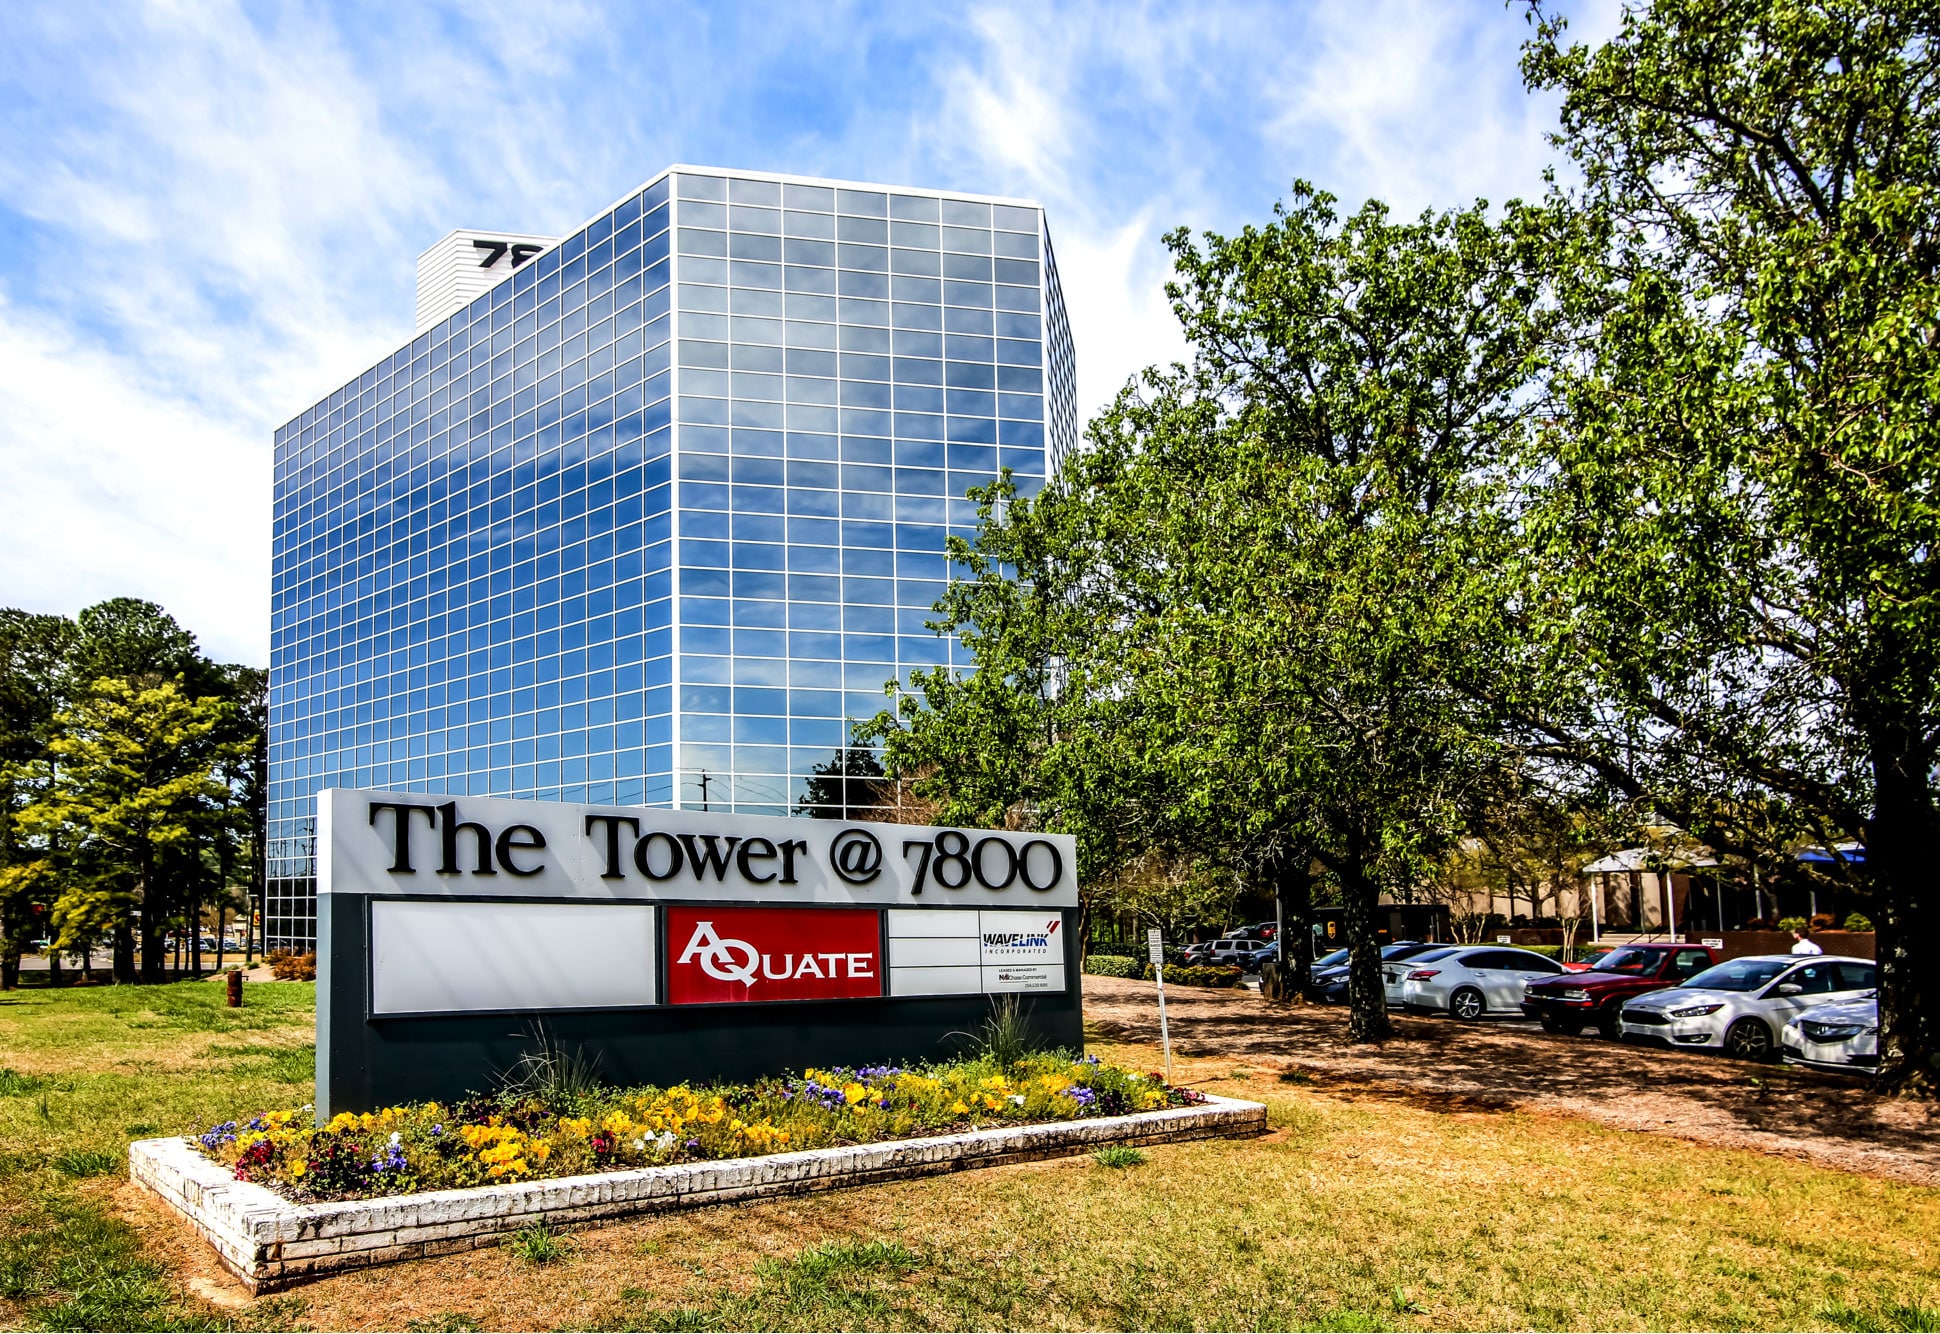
{"type": "Point", "coordinates": [652, 520]}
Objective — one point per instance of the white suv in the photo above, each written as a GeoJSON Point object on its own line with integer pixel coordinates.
{"type": "Point", "coordinates": [1740, 1006]}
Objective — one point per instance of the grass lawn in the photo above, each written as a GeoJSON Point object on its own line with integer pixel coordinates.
{"type": "Point", "coordinates": [1350, 1215]}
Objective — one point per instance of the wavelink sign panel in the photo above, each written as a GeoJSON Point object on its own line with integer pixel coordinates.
{"type": "Point", "coordinates": [457, 934]}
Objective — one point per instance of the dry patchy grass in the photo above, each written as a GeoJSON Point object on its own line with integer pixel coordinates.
{"type": "Point", "coordinates": [1350, 1215]}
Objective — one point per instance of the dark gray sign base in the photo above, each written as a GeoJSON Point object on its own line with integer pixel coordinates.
{"type": "Point", "coordinates": [365, 1062]}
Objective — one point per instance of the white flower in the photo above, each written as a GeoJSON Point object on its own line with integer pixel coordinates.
{"type": "Point", "coordinates": [1017, 1098]}
{"type": "Point", "coordinates": [396, 1139]}
{"type": "Point", "coordinates": [640, 1143]}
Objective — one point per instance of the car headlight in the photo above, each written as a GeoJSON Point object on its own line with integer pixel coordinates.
{"type": "Point", "coordinates": [1832, 1032]}
{"type": "Point", "coordinates": [1695, 1011]}
{"type": "Point", "coordinates": [1573, 994]}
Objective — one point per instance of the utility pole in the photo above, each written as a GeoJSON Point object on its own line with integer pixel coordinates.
{"type": "Point", "coordinates": [703, 789]}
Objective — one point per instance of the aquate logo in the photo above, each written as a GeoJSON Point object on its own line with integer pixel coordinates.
{"type": "Point", "coordinates": [772, 954]}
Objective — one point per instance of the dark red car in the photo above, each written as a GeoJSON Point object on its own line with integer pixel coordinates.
{"type": "Point", "coordinates": [1567, 1004]}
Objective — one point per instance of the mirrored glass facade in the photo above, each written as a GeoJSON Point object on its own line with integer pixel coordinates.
{"type": "Point", "coordinates": [653, 520]}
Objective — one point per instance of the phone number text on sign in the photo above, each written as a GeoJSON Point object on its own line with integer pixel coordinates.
{"type": "Point", "coordinates": [728, 955]}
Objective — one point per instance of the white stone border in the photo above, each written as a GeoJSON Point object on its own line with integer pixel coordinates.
{"type": "Point", "coordinates": [268, 1242]}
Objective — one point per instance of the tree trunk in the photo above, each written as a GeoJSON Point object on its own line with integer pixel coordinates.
{"type": "Point", "coordinates": [1367, 999]}
{"type": "Point", "coordinates": [1293, 887]}
{"type": "Point", "coordinates": [195, 934]}
{"type": "Point", "coordinates": [1899, 846]}
{"type": "Point", "coordinates": [9, 970]}
{"type": "Point", "coordinates": [124, 952]}
{"type": "Point", "coordinates": [154, 959]}
{"type": "Point", "coordinates": [53, 966]}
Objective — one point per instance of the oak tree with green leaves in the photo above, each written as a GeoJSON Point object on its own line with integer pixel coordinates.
{"type": "Point", "coordinates": [1743, 514]}
{"type": "Point", "coordinates": [1241, 622]}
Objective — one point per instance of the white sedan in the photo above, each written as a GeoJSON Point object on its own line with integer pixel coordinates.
{"type": "Point", "coordinates": [1740, 1006]}
{"type": "Point", "coordinates": [1470, 982]}
{"type": "Point", "coordinates": [1843, 1037]}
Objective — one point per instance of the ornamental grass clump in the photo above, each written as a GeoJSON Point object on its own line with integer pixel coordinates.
{"type": "Point", "coordinates": [519, 1134]}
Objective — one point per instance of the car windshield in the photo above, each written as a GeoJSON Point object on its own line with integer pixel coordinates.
{"type": "Point", "coordinates": [1635, 962]}
{"type": "Point", "coordinates": [1431, 955]}
{"type": "Point", "coordinates": [1329, 960]}
{"type": "Point", "coordinates": [1739, 975]}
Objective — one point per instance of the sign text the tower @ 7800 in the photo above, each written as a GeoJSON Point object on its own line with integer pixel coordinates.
{"type": "Point", "coordinates": [404, 843]}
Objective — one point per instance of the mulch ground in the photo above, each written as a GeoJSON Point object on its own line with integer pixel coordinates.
{"type": "Point", "coordinates": [1825, 1119]}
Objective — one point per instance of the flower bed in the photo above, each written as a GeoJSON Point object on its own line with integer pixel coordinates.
{"type": "Point", "coordinates": [517, 1135]}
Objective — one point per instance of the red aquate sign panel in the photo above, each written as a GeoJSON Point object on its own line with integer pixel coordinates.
{"type": "Point", "coordinates": [772, 954]}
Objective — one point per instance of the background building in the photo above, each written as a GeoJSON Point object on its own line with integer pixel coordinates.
{"type": "Point", "coordinates": [652, 517]}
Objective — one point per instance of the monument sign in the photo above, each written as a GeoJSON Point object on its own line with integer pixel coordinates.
{"type": "Point", "coordinates": [662, 945]}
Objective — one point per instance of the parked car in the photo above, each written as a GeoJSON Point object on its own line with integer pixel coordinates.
{"type": "Point", "coordinates": [1225, 950]}
{"type": "Point", "coordinates": [1329, 982]}
{"type": "Point", "coordinates": [1261, 953]}
{"type": "Point", "coordinates": [1741, 1006]}
{"type": "Point", "coordinates": [1565, 1004]}
{"type": "Point", "coordinates": [1393, 975]}
{"type": "Point", "coordinates": [1589, 961]}
{"type": "Point", "coordinates": [1842, 1037]}
{"type": "Point", "coordinates": [1469, 982]}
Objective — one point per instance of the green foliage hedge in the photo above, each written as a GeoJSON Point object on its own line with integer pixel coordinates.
{"type": "Point", "coordinates": [1111, 965]}
{"type": "Point", "coordinates": [1192, 975]}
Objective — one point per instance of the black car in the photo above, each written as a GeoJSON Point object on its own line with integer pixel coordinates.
{"type": "Point", "coordinates": [1329, 984]}
{"type": "Point", "coordinates": [1262, 953]}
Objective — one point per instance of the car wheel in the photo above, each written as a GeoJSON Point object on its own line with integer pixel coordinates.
{"type": "Point", "coordinates": [1467, 1004]}
{"type": "Point", "coordinates": [1555, 1023]}
{"type": "Point", "coordinates": [1610, 1025]}
{"type": "Point", "coordinates": [1749, 1040]}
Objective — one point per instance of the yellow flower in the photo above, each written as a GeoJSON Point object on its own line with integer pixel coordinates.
{"type": "Point", "coordinates": [959, 1108]}
{"type": "Point", "coordinates": [854, 1093]}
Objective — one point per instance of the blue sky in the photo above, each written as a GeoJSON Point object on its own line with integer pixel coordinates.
{"type": "Point", "coordinates": [211, 213]}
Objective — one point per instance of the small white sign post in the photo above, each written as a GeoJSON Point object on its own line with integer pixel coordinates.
{"type": "Point", "coordinates": [1156, 945]}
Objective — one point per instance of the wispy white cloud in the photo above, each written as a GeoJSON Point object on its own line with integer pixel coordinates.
{"type": "Point", "coordinates": [213, 210]}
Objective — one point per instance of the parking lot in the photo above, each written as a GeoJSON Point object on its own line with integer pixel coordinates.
{"type": "Point", "coordinates": [1511, 1065]}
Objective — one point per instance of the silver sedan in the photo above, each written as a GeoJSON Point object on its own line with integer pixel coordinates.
{"type": "Point", "coordinates": [1470, 982]}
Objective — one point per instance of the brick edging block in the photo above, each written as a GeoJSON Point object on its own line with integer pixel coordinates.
{"type": "Point", "coordinates": [268, 1242]}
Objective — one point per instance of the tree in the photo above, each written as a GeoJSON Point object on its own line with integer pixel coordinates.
{"type": "Point", "coordinates": [844, 787]}
{"type": "Point", "coordinates": [34, 652]}
{"type": "Point", "coordinates": [134, 798]}
{"type": "Point", "coordinates": [1238, 624]}
{"type": "Point", "coordinates": [1742, 513]}
{"type": "Point", "coordinates": [244, 772]}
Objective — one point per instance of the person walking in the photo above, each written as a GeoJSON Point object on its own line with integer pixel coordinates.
{"type": "Point", "coordinates": [1802, 943]}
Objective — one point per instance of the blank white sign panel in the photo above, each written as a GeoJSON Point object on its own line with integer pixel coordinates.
{"type": "Point", "coordinates": [440, 955]}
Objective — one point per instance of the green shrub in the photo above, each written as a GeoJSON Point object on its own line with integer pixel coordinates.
{"type": "Point", "coordinates": [1858, 921]}
{"type": "Point", "coordinates": [1547, 951]}
{"type": "Point", "coordinates": [1791, 924]}
{"type": "Point", "coordinates": [538, 1245]}
{"type": "Point", "coordinates": [1196, 975]}
{"type": "Point", "coordinates": [1110, 965]}
{"type": "Point", "coordinates": [1119, 1155]}
{"type": "Point", "coordinates": [13, 1084]}
{"type": "Point", "coordinates": [87, 1162]}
